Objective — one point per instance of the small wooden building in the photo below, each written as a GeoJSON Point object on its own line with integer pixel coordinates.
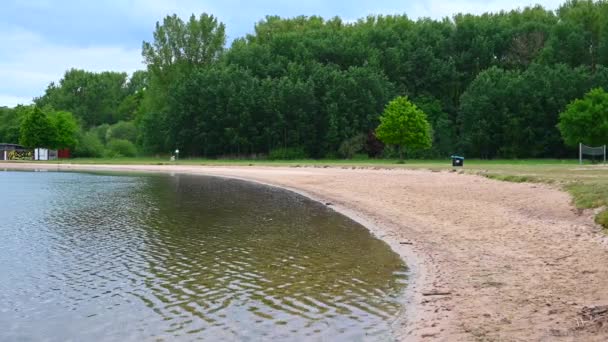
{"type": "Point", "coordinates": [14, 152]}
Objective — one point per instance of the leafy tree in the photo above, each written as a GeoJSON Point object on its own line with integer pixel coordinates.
{"type": "Point", "coordinates": [120, 148]}
{"type": "Point", "coordinates": [93, 98]}
{"type": "Point", "coordinates": [89, 145]}
{"type": "Point", "coordinates": [404, 125]}
{"type": "Point", "coordinates": [10, 123]}
{"type": "Point", "coordinates": [352, 146]}
{"type": "Point", "coordinates": [198, 41]}
{"type": "Point", "coordinates": [586, 120]}
{"type": "Point", "coordinates": [37, 130]}
{"type": "Point", "coordinates": [122, 130]}
{"type": "Point", "coordinates": [66, 130]}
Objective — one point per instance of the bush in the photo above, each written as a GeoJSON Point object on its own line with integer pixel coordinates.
{"type": "Point", "coordinates": [352, 146]}
{"type": "Point", "coordinates": [120, 148]}
{"type": "Point", "coordinates": [101, 132]}
{"type": "Point", "coordinates": [290, 153]}
{"type": "Point", "coordinates": [89, 145]}
{"type": "Point", "coordinates": [122, 130]}
{"type": "Point", "coordinates": [373, 146]}
{"type": "Point", "coordinates": [602, 218]}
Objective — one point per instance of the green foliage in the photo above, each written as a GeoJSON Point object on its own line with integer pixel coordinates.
{"type": "Point", "coordinates": [586, 120]}
{"type": "Point", "coordinates": [93, 98]}
{"type": "Point", "coordinates": [287, 154]}
{"type": "Point", "coordinates": [36, 129]}
{"type": "Point", "coordinates": [101, 132]}
{"type": "Point", "coordinates": [120, 148]}
{"type": "Point", "coordinates": [89, 146]}
{"type": "Point", "coordinates": [491, 85]}
{"type": "Point", "coordinates": [350, 147]}
{"type": "Point", "coordinates": [122, 130]}
{"type": "Point", "coordinates": [404, 125]}
{"type": "Point", "coordinates": [602, 218]}
{"type": "Point", "coordinates": [66, 130]}
{"type": "Point", "coordinates": [10, 123]}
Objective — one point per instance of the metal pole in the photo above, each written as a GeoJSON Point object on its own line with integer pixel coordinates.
{"type": "Point", "coordinates": [580, 153]}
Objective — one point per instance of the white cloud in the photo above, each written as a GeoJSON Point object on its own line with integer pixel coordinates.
{"type": "Point", "coordinates": [31, 64]}
{"type": "Point", "coordinates": [441, 8]}
{"type": "Point", "coordinates": [13, 101]}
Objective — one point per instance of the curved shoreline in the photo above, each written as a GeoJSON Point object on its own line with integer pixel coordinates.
{"type": "Point", "coordinates": [488, 260]}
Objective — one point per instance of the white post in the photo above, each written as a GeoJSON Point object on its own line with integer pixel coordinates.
{"type": "Point", "coordinates": [580, 153]}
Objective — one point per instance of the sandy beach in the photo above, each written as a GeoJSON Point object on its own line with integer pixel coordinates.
{"type": "Point", "coordinates": [489, 260]}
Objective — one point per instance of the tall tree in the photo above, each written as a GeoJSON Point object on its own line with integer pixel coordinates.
{"type": "Point", "coordinates": [586, 120]}
{"type": "Point", "coordinates": [66, 130]}
{"type": "Point", "coordinates": [37, 130]}
{"type": "Point", "coordinates": [404, 125]}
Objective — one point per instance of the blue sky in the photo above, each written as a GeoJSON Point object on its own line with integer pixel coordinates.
{"type": "Point", "coordinates": [41, 39]}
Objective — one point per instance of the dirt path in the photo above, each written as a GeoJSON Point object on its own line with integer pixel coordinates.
{"type": "Point", "coordinates": [517, 261]}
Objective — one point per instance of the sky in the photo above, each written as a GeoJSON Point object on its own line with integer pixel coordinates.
{"type": "Point", "coordinates": [41, 39]}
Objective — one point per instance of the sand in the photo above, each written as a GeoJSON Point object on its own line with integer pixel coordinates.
{"type": "Point", "coordinates": [513, 262]}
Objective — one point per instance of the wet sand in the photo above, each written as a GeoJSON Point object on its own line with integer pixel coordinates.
{"type": "Point", "coordinates": [489, 260]}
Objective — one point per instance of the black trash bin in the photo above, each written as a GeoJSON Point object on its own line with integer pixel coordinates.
{"type": "Point", "coordinates": [457, 161]}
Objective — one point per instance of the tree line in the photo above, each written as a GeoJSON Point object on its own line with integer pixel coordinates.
{"type": "Point", "coordinates": [491, 85]}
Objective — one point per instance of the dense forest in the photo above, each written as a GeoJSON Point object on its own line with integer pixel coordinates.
{"type": "Point", "coordinates": [491, 85]}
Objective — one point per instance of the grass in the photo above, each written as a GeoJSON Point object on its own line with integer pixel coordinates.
{"type": "Point", "coordinates": [588, 184]}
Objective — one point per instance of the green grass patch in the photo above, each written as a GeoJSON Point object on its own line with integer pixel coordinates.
{"type": "Point", "coordinates": [602, 219]}
{"type": "Point", "coordinates": [512, 178]}
{"type": "Point", "coordinates": [589, 195]}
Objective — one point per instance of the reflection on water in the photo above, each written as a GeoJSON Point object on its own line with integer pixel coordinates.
{"type": "Point", "coordinates": [155, 257]}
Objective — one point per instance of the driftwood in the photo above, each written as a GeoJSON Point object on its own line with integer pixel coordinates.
{"type": "Point", "coordinates": [436, 293]}
{"type": "Point", "coordinates": [406, 243]}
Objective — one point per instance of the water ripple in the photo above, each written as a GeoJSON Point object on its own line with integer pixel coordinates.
{"type": "Point", "coordinates": [115, 257]}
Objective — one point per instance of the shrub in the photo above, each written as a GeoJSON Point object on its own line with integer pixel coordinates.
{"type": "Point", "coordinates": [120, 148]}
{"type": "Point", "coordinates": [101, 132]}
{"type": "Point", "coordinates": [352, 146]}
{"type": "Point", "coordinates": [602, 218]}
{"type": "Point", "coordinates": [373, 146]}
{"type": "Point", "coordinates": [89, 145]}
{"type": "Point", "coordinates": [289, 153]}
{"type": "Point", "coordinates": [122, 130]}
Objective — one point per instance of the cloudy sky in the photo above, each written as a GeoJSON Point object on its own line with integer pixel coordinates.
{"type": "Point", "coordinates": [40, 39]}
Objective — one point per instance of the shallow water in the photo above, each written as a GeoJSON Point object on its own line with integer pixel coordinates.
{"type": "Point", "coordinates": [157, 257]}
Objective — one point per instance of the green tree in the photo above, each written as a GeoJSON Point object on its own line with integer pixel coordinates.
{"type": "Point", "coordinates": [120, 148]}
{"type": "Point", "coordinates": [93, 98]}
{"type": "Point", "coordinates": [66, 129]}
{"type": "Point", "coordinates": [89, 145]}
{"type": "Point", "coordinates": [125, 130]}
{"type": "Point", "coordinates": [10, 123]}
{"type": "Point", "coordinates": [404, 125]}
{"type": "Point", "coordinates": [586, 120]}
{"type": "Point", "coordinates": [37, 130]}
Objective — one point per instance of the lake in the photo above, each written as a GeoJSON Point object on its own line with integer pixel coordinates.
{"type": "Point", "coordinates": [130, 257]}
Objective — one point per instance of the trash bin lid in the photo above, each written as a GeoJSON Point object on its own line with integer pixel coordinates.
{"type": "Point", "coordinates": [457, 157]}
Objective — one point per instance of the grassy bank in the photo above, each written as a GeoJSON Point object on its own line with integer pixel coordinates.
{"type": "Point", "coordinates": [588, 184]}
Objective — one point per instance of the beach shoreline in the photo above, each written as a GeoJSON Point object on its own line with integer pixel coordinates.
{"type": "Point", "coordinates": [477, 249]}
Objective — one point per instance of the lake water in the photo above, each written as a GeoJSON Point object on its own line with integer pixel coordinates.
{"type": "Point", "coordinates": [115, 257]}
